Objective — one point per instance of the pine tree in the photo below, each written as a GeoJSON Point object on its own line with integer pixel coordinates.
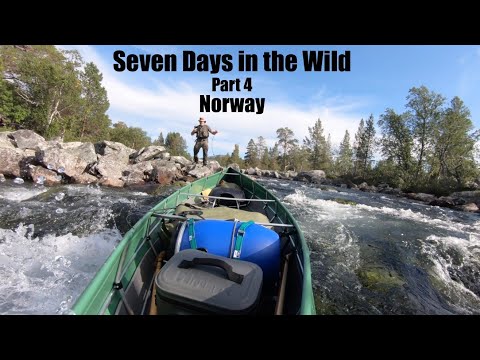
{"type": "Point", "coordinates": [345, 156]}
{"type": "Point", "coordinates": [159, 141]}
{"type": "Point", "coordinates": [251, 155]}
{"type": "Point", "coordinates": [365, 146]}
{"type": "Point", "coordinates": [286, 141]}
{"type": "Point", "coordinates": [235, 157]}
{"type": "Point", "coordinates": [316, 146]}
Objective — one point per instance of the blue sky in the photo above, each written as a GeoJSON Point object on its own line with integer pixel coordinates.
{"type": "Point", "coordinates": [380, 77]}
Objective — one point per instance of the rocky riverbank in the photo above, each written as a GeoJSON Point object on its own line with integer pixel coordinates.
{"type": "Point", "coordinates": [25, 155]}
{"type": "Point", "coordinates": [462, 200]}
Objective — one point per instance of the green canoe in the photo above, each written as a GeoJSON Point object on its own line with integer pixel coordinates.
{"type": "Point", "coordinates": [125, 284]}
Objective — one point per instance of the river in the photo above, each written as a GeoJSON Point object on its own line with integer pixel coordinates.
{"type": "Point", "coordinates": [370, 253]}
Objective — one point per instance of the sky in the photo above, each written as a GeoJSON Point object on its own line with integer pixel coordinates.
{"type": "Point", "coordinates": [379, 78]}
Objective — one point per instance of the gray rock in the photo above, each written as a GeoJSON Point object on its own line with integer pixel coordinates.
{"type": "Point", "coordinates": [467, 196]}
{"type": "Point", "coordinates": [11, 161]}
{"type": "Point", "coordinates": [251, 171]}
{"type": "Point", "coordinates": [85, 178]}
{"type": "Point", "coordinates": [163, 156]}
{"type": "Point", "coordinates": [6, 141]}
{"type": "Point", "coordinates": [109, 167]}
{"type": "Point", "coordinates": [114, 151]}
{"type": "Point", "coordinates": [55, 158]}
{"type": "Point", "coordinates": [111, 182]}
{"type": "Point", "coordinates": [312, 176]}
{"type": "Point", "coordinates": [291, 174]}
{"type": "Point", "coordinates": [2, 178]}
{"type": "Point", "coordinates": [137, 174]}
{"type": "Point", "coordinates": [180, 160]}
{"type": "Point", "coordinates": [200, 171]}
{"type": "Point", "coordinates": [84, 151]}
{"type": "Point", "coordinates": [147, 153]}
{"type": "Point", "coordinates": [470, 207]}
{"type": "Point", "coordinates": [421, 197]}
{"type": "Point", "coordinates": [50, 177]}
{"type": "Point", "coordinates": [27, 139]}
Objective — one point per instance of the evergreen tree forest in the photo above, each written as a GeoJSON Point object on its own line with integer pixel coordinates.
{"type": "Point", "coordinates": [428, 146]}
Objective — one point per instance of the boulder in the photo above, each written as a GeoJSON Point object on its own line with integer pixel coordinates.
{"type": "Point", "coordinates": [180, 160]}
{"type": "Point", "coordinates": [84, 151]}
{"type": "Point", "coordinates": [27, 139]}
{"type": "Point", "coordinates": [105, 181]}
{"type": "Point", "coordinates": [200, 171]}
{"type": "Point", "coordinates": [108, 167]}
{"type": "Point", "coordinates": [467, 196]}
{"type": "Point", "coordinates": [291, 174]}
{"type": "Point", "coordinates": [147, 153]}
{"type": "Point", "coordinates": [10, 161]}
{"type": "Point", "coordinates": [114, 151]}
{"type": "Point", "coordinates": [312, 176]}
{"type": "Point", "coordinates": [136, 174]}
{"type": "Point", "coordinates": [443, 201]}
{"type": "Point", "coordinates": [470, 207]}
{"type": "Point", "coordinates": [6, 141]}
{"type": "Point", "coordinates": [251, 171]}
{"type": "Point", "coordinates": [164, 172]}
{"type": "Point", "coordinates": [54, 159]}
{"type": "Point", "coordinates": [85, 178]}
{"type": "Point", "coordinates": [49, 177]}
{"type": "Point", "coordinates": [421, 197]}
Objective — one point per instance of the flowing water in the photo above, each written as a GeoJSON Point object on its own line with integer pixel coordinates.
{"type": "Point", "coordinates": [370, 253]}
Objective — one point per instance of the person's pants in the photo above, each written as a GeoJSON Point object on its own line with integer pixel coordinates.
{"type": "Point", "coordinates": [201, 144]}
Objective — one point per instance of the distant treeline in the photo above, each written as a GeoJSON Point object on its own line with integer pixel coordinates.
{"type": "Point", "coordinates": [430, 146]}
{"type": "Point", "coordinates": [54, 93]}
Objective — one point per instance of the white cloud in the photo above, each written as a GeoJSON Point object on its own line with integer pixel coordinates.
{"type": "Point", "coordinates": [176, 108]}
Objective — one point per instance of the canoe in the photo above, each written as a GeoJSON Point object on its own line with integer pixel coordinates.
{"type": "Point", "coordinates": [126, 283]}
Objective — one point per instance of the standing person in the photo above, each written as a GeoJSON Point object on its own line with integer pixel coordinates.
{"type": "Point", "coordinates": [202, 131]}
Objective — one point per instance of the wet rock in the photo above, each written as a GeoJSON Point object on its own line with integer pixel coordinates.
{"type": "Point", "coordinates": [470, 207]}
{"type": "Point", "coordinates": [137, 174]}
{"type": "Point", "coordinates": [85, 178]}
{"type": "Point", "coordinates": [164, 172]}
{"type": "Point", "coordinates": [111, 182]}
{"type": "Point", "coordinates": [291, 174]}
{"type": "Point", "coordinates": [467, 196]}
{"type": "Point", "coordinates": [427, 198]}
{"type": "Point", "coordinates": [312, 176]}
{"type": "Point", "coordinates": [379, 278]}
{"type": "Point", "coordinates": [344, 201]}
{"type": "Point", "coordinates": [443, 201]}
{"type": "Point", "coordinates": [2, 178]}
{"type": "Point", "coordinates": [39, 173]}
{"type": "Point", "coordinates": [251, 171]}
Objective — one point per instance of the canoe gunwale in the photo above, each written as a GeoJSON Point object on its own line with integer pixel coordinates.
{"type": "Point", "coordinates": [100, 297]}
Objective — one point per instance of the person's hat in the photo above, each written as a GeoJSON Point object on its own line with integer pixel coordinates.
{"type": "Point", "coordinates": [201, 119]}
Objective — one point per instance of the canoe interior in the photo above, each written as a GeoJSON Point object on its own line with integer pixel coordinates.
{"type": "Point", "coordinates": [123, 284]}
